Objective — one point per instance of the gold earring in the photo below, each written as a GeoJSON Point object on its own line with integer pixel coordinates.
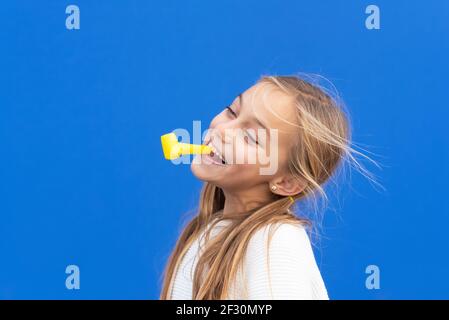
{"type": "Point", "coordinates": [273, 188]}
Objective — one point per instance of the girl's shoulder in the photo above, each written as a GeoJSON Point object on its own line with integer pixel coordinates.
{"type": "Point", "coordinates": [280, 263]}
{"type": "Point", "coordinates": [282, 235]}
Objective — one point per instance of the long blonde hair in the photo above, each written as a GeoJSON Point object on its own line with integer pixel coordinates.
{"type": "Point", "coordinates": [323, 144]}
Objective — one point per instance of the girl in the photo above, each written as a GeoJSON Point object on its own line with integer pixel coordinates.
{"type": "Point", "coordinates": [245, 242]}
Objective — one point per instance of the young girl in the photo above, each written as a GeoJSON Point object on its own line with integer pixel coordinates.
{"type": "Point", "coordinates": [245, 242]}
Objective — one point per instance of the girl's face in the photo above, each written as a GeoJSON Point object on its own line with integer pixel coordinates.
{"type": "Point", "coordinates": [243, 131]}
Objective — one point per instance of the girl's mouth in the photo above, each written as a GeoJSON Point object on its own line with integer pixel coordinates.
{"type": "Point", "coordinates": [215, 157]}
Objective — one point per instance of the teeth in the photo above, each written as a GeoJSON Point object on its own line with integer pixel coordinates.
{"type": "Point", "coordinates": [217, 153]}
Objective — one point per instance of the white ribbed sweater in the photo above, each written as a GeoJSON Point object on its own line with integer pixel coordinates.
{"type": "Point", "coordinates": [293, 270]}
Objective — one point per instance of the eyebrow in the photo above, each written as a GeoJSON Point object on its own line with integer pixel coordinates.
{"type": "Point", "coordinates": [260, 123]}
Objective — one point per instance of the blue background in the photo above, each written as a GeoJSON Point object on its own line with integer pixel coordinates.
{"type": "Point", "coordinates": [83, 180]}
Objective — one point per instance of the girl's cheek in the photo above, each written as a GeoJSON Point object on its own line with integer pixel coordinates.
{"type": "Point", "coordinates": [244, 155]}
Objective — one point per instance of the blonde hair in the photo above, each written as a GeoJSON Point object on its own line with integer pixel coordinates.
{"type": "Point", "coordinates": [323, 143]}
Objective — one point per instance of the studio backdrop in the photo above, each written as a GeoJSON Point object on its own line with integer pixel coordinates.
{"type": "Point", "coordinates": [89, 207]}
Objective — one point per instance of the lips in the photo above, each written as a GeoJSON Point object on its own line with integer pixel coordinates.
{"type": "Point", "coordinates": [215, 155]}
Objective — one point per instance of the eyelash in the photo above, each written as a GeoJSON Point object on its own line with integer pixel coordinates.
{"type": "Point", "coordinates": [235, 115]}
{"type": "Point", "coordinates": [231, 111]}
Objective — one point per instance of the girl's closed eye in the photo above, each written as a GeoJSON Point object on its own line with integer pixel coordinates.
{"type": "Point", "coordinates": [231, 111]}
{"type": "Point", "coordinates": [247, 134]}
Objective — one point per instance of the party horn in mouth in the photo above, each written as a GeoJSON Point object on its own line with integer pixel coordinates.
{"type": "Point", "coordinates": [173, 149]}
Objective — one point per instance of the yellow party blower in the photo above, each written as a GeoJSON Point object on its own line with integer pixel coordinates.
{"type": "Point", "coordinates": [173, 149]}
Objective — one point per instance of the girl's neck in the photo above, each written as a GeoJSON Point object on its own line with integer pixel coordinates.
{"type": "Point", "coordinates": [243, 203]}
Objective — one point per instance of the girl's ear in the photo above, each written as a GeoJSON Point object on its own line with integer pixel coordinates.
{"type": "Point", "coordinates": [286, 185]}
